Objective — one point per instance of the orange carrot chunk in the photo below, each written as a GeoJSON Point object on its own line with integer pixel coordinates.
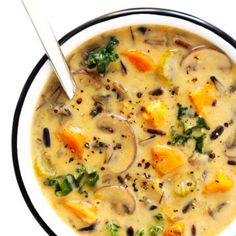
{"type": "Point", "coordinates": [140, 60]}
{"type": "Point", "coordinates": [166, 159]}
{"type": "Point", "coordinates": [74, 139]}
{"type": "Point", "coordinates": [176, 229]}
{"type": "Point", "coordinates": [221, 184]}
{"type": "Point", "coordinates": [203, 97]}
{"type": "Point", "coordinates": [155, 113]}
{"type": "Point", "coordinates": [85, 210]}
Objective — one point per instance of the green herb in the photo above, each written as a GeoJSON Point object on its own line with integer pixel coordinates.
{"type": "Point", "coordinates": [113, 229]}
{"type": "Point", "coordinates": [93, 177]}
{"type": "Point", "coordinates": [183, 135]}
{"type": "Point", "coordinates": [159, 217]}
{"type": "Point", "coordinates": [199, 143]}
{"type": "Point", "coordinates": [66, 186]}
{"type": "Point", "coordinates": [179, 139]}
{"type": "Point", "coordinates": [103, 56]}
{"type": "Point", "coordinates": [201, 124]}
{"type": "Point", "coordinates": [140, 233]}
{"type": "Point", "coordinates": [67, 183]}
{"type": "Point", "coordinates": [155, 230]}
{"type": "Point", "coordinates": [181, 111]}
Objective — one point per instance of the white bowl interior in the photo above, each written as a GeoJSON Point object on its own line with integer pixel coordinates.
{"type": "Point", "coordinates": [24, 130]}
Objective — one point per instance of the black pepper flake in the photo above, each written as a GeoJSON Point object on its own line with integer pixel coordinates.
{"type": "Point", "coordinates": [226, 124]}
{"type": "Point", "coordinates": [139, 165]}
{"type": "Point", "coordinates": [117, 146]}
{"type": "Point", "coordinates": [130, 231]}
{"type": "Point", "coordinates": [86, 145]}
{"type": "Point", "coordinates": [128, 177]}
{"type": "Point", "coordinates": [147, 165]}
{"type": "Point", "coordinates": [79, 101]}
{"type": "Point", "coordinates": [120, 179]}
{"type": "Point", "coordinates": [71, 159]}
{"type": "Point", "coordinates": [161, 185]}
{"type": "Point", "coordinates": [214, 103]}
{"type": "Point", "coordinates": [212, 155]}
{"type": "Point", "coordinates": [139, 94]}
{"type": "Point", "coordinates": [142, 29]}
{"type": "Point", "coordinates": [108, 87]}
{"type": "Point", "coordinates": [102, 168]}
{"type": "Point", "coordinates": [157, 92]}
{"type": "Point", "coordinates": [152, 207]}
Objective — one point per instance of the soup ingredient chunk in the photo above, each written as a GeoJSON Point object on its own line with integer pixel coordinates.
{"type": "Point", "coordinates": [67, 183]}
{"type": "Point", "coordinates": [155, 113]}
{"type": "Point", "coordinates": [123, 155]}
{"type": "Point", "coordinates": [202, 98]}
{"type": "Point", "coordinates": [140, 60]}
{"type": "Point", "coordinates": [168, 64]}
{"type": "Point", "coordinates": [103, 56]}
{"type": "Point", "coordinates": [176, 229]}
{"type": "Point", "coordinates": [184, 184]}
{"type": "Point", "coordinates": [166, 159]}
{"type": "Point", "coordinates": [221, 184]}
{"type": "Point", "coordinates": [113, 229]}
{"type": "Point", "coordinates": [122, 201]}
{"type": "Point", "coordinates": [44, 167]}
{"type": "Point", "coordinates": [203, 57]}
{"type": "Point", "coordinates": [85, 210]}
{"type": "Point", "coordinates": [74, 139]}
{"type": "Point", "coordinates": [155, 229]}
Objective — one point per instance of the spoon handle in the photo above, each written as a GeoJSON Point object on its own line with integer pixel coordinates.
{"type": "Point", "coordinates": [50, 45]}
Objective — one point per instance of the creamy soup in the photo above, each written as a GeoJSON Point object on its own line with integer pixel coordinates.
{"type": "Point", "coordinates": [147, 146]}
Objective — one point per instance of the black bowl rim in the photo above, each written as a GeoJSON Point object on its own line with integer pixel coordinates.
{"type": "Point", "coordinates": [39, 65]}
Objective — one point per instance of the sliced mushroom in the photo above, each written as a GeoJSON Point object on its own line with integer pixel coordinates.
{"type": "Point", "coordinates": [203, 56]}
{"type": "Point", "coordinates": [85, 77]}
{"type": "Point", "coordinates": [62, 109]}
{"type": "Point", "coordinates": [230, 145]}
{"type": "Point", "coordinates": [51, 97]}
{"type": "Point", "coordinates": [101, 99]}
{"type": "Point", "coordinates": [119, 132]}
{"type": "Point", "coordinates": [121, 91]}
{"type": "Point", "coordinates": [146, 187]}
{"type": "Point", "coordinates": [121, 199]}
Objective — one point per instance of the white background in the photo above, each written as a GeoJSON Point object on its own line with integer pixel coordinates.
{"type": "Point", "coordinates": [20, 50]}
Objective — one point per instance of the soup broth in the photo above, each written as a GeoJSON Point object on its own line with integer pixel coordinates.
{"type": "Point", "coordinates": [147, 146]}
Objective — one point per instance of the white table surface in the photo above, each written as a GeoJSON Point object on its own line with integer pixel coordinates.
{"type": "Point", "coordinates": [20, 50]}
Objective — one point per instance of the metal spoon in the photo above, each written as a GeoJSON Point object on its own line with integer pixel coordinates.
{"type": "Point", "coordinates": [51, 46]}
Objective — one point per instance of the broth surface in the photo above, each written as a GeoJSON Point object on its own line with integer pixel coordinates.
{"type": "Point", "coordinates": [147, 146]}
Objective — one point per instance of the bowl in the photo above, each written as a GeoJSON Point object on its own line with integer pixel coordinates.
{"type": "Point", "coordinates": [21, 147]}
